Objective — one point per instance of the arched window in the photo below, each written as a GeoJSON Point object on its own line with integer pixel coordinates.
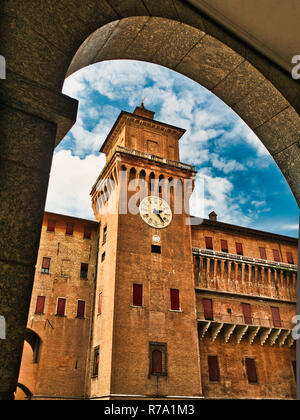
{"type": "Point", "coordinates": [161, 183]}
{"type": "Point", "coordinates": [156, 361]}
{"type": "Point", "coordinates": [151, 183]}
{"type": "Point", "coordinates": [132, 174]}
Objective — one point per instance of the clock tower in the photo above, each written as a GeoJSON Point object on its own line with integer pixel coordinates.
{"type": "Point", "coordinates": [145, 340]}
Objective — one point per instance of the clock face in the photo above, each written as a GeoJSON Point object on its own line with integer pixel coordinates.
{"type": "Point", "coordinates": [155, 212]}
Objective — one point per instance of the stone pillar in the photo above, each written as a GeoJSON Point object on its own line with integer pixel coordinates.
{"type": "Point", "coordinates": [29, 118]}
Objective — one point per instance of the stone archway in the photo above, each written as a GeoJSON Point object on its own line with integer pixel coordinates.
{"type": "Point", "coordinates": [39, 44]}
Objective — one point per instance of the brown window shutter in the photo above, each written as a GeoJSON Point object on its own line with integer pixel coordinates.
{"type": "Point", "coordinates": [100, 304]}
{"type": "Point", "coordinates": [213, 368]}
{"type": "Point", "coordinates": [224, 245]}
{"type": "Point", "coordinates": [251, 370]}
{"type": "Point", "coordinates": [156, 361]}
{"type": "Point", "coordinates": [70, 229]}
{"type": "Point", "coordinates": [239, 248]}
{"type": "Point", "coordinates": [84, 270]}
{"type": "Point", "coordinates": [137, 295]}
{"type": "Point", "coordinates": [294, 364]}
{"type": "Point", "coordinates": [208, 309]}
{"type": "Point", "coordinates": [40, 304]}
{"type": "Point", "coordinates": [276, 316]}
{"type": "Point", "coordinates": [175, 299]}
{"type": "Point", "coordinates": [80, 309]}
{"type": "Point", "coordinates": [262, 252]}
{"type": "Point", "coordinates": [208, 242]}
{"type": "Point", "coordinates": [290, 258]}
{"type": "Point", "coordinates": [87, 234]}
{"type": "Point", "coordinates": [46, 263]}
{"type": "Point", "coordinates": [276, 255]}
{"type": "Point", "coordinates": [51, 226]}
{"type": "Point", "coordinates": [247, 313]}
{"type": "Point", "coordinates": [61, 306]}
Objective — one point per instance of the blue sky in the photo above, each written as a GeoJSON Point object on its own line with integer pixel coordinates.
{"type": "Point", "coordinates": [241, 181]}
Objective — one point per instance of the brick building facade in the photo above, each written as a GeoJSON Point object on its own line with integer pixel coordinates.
{"type": "Point", "coordinates": [142, 303]}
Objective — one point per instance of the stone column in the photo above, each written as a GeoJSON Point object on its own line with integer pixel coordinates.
{"type": "Point", "coordinates": [29, 118]}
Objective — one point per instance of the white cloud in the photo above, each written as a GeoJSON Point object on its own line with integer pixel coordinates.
{"type": "Point", "coordinates": [71, 181]}
{"type": "Point", "coordinates": [227, 166]}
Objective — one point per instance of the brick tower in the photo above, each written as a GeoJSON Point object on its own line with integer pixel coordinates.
{"type": "Point", "coordinates": [145, 341]}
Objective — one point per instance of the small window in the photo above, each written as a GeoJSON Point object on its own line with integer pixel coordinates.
{"type": "Point", "coordinates": [224, 245]}
{"type": "Point", "coordinates": [294, 366]}
{"type": "Point", "coordinates": [100, 304]}
{"type": "Point", "coordinates": [213, 368]}
{"type": "Point", "coordinates": [61, 306]}
{"type": "Point", "coordinates": [137, 292]}
{"type": "Point", "coordinates": [251, 370]}
{"type": "Point", "coordinates": [262, 253]}
{"type": "Point", "coordinates": [247, 312]}
{"type": "Point", "coordinates": [208, 242]}
{"type": "Point", "coordinates": [84, 270]}
{"type": "Point", "coordinates": [104, 235]}
{"type": "Point", "coordinates": [70, 229]}
{"type": "Point", "coordinates": [87, 233]}
{"type": "Point", "coordinates": [208, 309]}
{"type": "Point", "coordinates": [80, 309]}
{"type": "Point", "coordinates": [276, 255]}
{"type": "Point", "coordinates": [239, 248]}
{"type": "Point", "coordinates": [40, 305]}
{"type": "Point", "coordinates": [45, 265]}
{"type": "Point", "coordinates": [290, 258]}
{"type": "Point", "coordinates": [156, 249]}
{"type": "Point", "coordinates": [276, 317]}
{"type": "Point", "coordinates": [96, 362]}
{"type": "Point", "coordinates": [103, 257]}
{"type": "Point", "coordinates": [51, 226]}
{"type": "Point", "coordinates": [158, 359]}
{"type": "Point", "coordinates": [175, 305]}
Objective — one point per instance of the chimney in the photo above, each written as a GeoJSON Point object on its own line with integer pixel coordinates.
{"type": "Point", "coordinates": [213, 216]}
{"type": "Point", "coordinates": [143, 112]}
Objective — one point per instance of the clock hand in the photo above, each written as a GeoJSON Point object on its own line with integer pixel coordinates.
{"type": "Point", "coordinates": [157, 212]}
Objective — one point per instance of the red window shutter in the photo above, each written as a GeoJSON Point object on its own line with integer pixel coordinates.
{"type": "Point", "coordinates": [239, 248]}
{"type": "Point", "coordinates": [80, 309]}
{"type": "Point", "coordinates": [247, 313]}
{"type": "Point", "coordinates": [213, 368]}
{"type": "Point", "coordinates": [87, 232]}
{"type": "Point", "coordinates": [46, 263]}
{"type": "Point", "coordinates": [51, 226]}
{"type": "Point", "coordinates": [208, 309]}
{"type": "Point", "coordinates": [262, 252]}
{"type": "Point", "coordinates": [276, 255]}
{"type": "Point", "coordinates": [251, 370]}
{"type": "Point", "coordinates": [175, 299]}
{"type": "Point", "coordinates": [61, 306]}
{"type": "Point", "coordinates": [224, 245]}
{"type": "Point", "coordinates": [137, 295]}
{"type": "Point", "coordinates": [156, 361]}
{"type": "Point", "coordinates": [290, 258]}
{"type": "Point", "coordinates": [100, 304]}
{"type": "Point", "coordinates": [69, 228]}
{"type": "Point", "coordinates": [208, 242]}
{"type": "Point", "coordinates": [276, 316]}
{"type": "Point", "coordinates": [40, 304]}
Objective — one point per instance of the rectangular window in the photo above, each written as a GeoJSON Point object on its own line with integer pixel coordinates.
{"type": "Point", "coordinates": [276, 316]}
{"type": "Point", "coordinates": [80, 309]}
{"type": "Point", "coordinates": [61, 306]}
{"type": "Point", "coordinates": [40, 305]}
{"type": "Point", "coordinates": [84, 270]}
{"type": "Point", "coordinates": [208, 242]}
{"type": "Point", "coordinates": [104, 235]}
{"type": "Point", "coordinates": [103, 257]}
{"type": "Point", "coordinates": [262, 253]}
{"type": "Point", "coordinates": [96, 362]}
{"type": "Point", "coordinates": [46, 265]}
{"type": "Point", "coordinates": [276, 255]}
{"type": "Point", "coordinates": [158, 359]}
{"type": "Point", "coordinates": [246, 307]}
{"type": "Point", "coordinates": [175, 305]}
{"type": "Point", "coordinates": [100, 304]}
{"type": "Point", "coordinates": [156, 249]}
{"type": "Point", "coordinates": [51, 226]}
{"type": "Point", "coordinates": [224, 245]}
{"type": "Point", "coordinates": [213, 368]}
{"type": "Point", "coordinates": [137, 293]}
{"type": "Point", "coordinates": [208, 309]}
{"type": "Point", "coordinates": [294, 365]}
{"type": "Point", "coordinates": [70, 229]}
{"type": "Point", "coordinates": [251, 370]}
{"type": "Point", "coordinates": [239, 248]}
{"type": "Point", "coordinates": [290, 258]}
{"type": "Point", "coordinates": [87, 233]}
